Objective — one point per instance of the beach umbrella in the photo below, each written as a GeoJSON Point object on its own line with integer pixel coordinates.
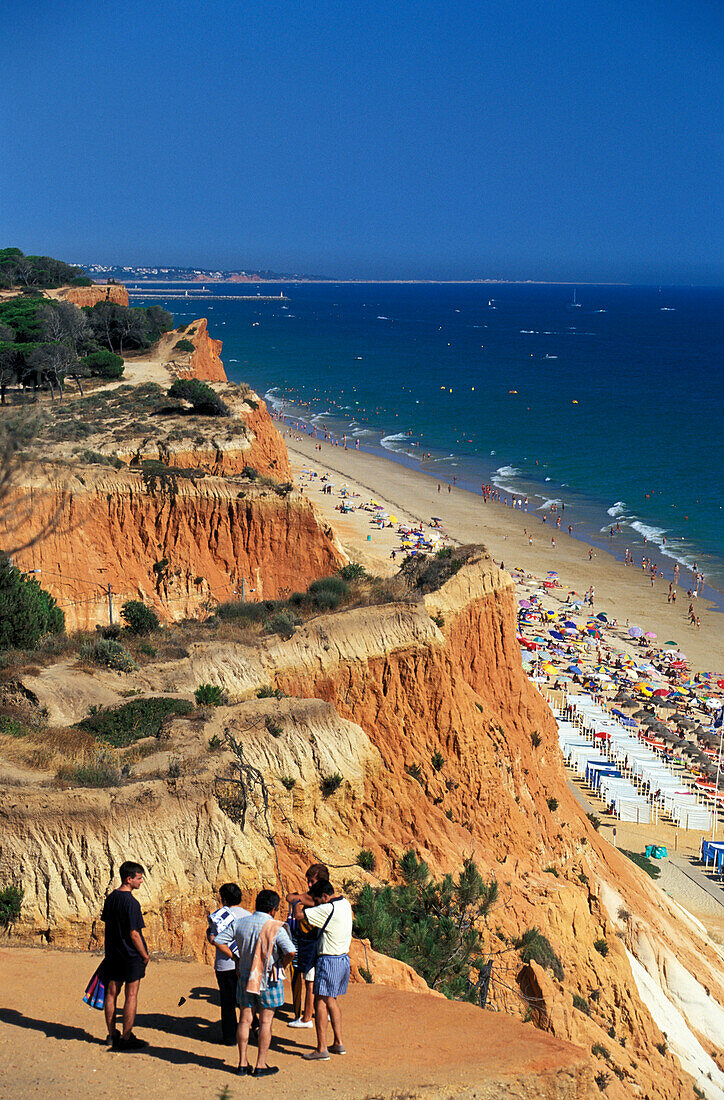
{"type": "Point", "coordinates": [666, 704]}
{"type": "Point", "coordinates": [524, 603]}
{"type": "Point", "coordinates": [649, 634]}
{"type": "Point", "coordinates": [671, 643]}
{"type": "Point", "coordinates": [635, 631]}
{"type": "Point", "coordinates": [641, 713]}
{"type": "Point", "coordinates": [602, 616]}
{"type": "Point", "coordinates": [661, 691]}
{"type": "Point", "coordinates": [720, 683]}
{"type": "Point", "coordinates": [576, 669]}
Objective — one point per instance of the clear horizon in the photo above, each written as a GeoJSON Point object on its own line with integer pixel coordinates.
{"type": "Point", "coordinates": [545, 142]}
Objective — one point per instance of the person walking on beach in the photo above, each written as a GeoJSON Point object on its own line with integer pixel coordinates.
{"type": "Point", "coordinates": [332, 915]}
{"type": "Point", "coordinates": [264, 949]}
{"type": "Point", "coordinates": [126, 956]}
{"type": "Point", "coordinates": [225, 960]}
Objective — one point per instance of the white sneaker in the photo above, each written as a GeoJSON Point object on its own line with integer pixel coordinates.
{"type": "Point", "coordinates": [299, 1022]}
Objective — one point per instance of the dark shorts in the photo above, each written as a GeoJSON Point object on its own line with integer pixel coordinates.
{"type": "Point", "coordinates": [124, 970]}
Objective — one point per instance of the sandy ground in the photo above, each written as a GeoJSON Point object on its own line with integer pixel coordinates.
{"type": "Point", "coordinates": [622, 592]}
{"type": "Point", "coordinates": [52, 1044]}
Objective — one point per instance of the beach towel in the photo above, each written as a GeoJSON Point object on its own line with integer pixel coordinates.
{"type": "Point", "coordinates": [95, 991]}
{"type": "Point", "coordinates": [262, 963]}
{"type": "Point", "coordinates": [219, 921]}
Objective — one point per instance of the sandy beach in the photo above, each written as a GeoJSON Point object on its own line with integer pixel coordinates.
{"type": "Point", "coordinates": [623, 592]}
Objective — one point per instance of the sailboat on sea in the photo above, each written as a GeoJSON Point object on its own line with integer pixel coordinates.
{"type": "Point", "coordinates": [574, 303]}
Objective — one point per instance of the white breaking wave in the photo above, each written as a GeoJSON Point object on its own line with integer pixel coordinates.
{"type": "Point", "coordinates": [503, 473]}
{"type": "Point", "coordinates": [549, 504]}
{"type": "Point", "coordinates": [616, 509]}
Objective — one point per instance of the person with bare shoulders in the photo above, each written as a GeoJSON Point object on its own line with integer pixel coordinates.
{"type": "Point", "coordinates": [305, 941]}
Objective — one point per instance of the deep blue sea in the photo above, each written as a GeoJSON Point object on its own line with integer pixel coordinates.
{"type": "Point", "coordinates": [613, 405]}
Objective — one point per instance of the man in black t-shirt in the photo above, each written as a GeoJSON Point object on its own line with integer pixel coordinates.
{"type": "Point", "coordinates": [126, 956]}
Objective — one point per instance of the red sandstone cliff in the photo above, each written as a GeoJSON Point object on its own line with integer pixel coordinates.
{"type": "Point", "coordinates": [89, 295]}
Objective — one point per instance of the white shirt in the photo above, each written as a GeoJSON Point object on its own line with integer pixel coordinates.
{"type": "Point", "coordinates": [337, 936]}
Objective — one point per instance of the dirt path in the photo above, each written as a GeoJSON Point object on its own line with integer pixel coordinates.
{"type": "Point", "coordinates": [52, 1044]}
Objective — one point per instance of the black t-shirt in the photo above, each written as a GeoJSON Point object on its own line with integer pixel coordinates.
{"type": "Point", "coordinates": [122, 915]}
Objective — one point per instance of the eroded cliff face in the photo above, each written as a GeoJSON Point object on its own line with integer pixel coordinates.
{"type": "Point", "coordinates": [89, 295]}
{"type": "Point", "coordinates": [369, 693]}
{"type": "Point", "coordinates": [116, 527]}
{"type": "Point", "coordinates": [204, 362]}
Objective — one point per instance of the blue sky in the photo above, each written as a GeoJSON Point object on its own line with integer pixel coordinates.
{"type": "Point", "coordinates": [544, 140]}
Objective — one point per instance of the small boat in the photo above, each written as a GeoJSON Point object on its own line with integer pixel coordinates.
{"type": "Point", "coordinates": [574, 303]}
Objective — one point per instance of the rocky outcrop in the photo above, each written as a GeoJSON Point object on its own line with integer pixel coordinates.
{"type": "Point", "coordinates": [89, 295]}
{"type": "Point", "coordinates": [204, 362]}
{"type": "Point", "coordinates": [173, 542]}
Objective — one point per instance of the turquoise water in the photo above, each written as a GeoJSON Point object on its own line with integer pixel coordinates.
{"type": "Point", "coordinates": [612, 405]}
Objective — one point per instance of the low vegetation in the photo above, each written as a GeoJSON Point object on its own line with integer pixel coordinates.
{"type": "Point", "coordinates": [109, 654]}
{"type": "Point", "coordinates": [121, 726]}
{"type": "Point", "coordinates": [203, 400]}
{"type": "Point", "coordinates": [533, 946]}
{"type": "Point", "coordinates": [652, 869]}
{"type": "Point", "coordinates": [11, 900]}
{"type": "Point", "coordinates": [209, 695]}
{"type": "Point", "coordinates": [433, 926]}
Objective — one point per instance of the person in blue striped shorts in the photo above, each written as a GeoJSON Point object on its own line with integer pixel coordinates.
{"type": "Point", "coordinates": [332, 915]}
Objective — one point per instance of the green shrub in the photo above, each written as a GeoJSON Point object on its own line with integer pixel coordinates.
{"type": "Point", "coordinates": [601, 946]}
{"type": "Point", "coordinates": [602, 1080]}
{"type": "Point", "coordinates": [203, 400]}
{"type": "Point", "coordinates": [215, 742]}
{"type": "Point", "coordinates": [534, 947]}
{"type": "Point", "coordinates": [272, 727]}
{"type": "Point", "coordinates": [552, 804]}
{"type": "Point", "coordinates": [438, 761]}
{"type": "Point", "coordinates": [365, 975]}
{"type": "Point", "coordinates": [245, 610]}
{"type": "Point", "coordinates": [288, 782]}
{"type": "Point", "coordinates": [95, 458]}
{"type": "Point", "coordinates": [101, 771]}
{"type": "Point", "coordinates": [433, 926]}
{"type": "Point", "coordinates": [138, 618]}
{"type": "Point", "coordinates": [330, 783]}
{"type": "Point", "coordinates": [581, 1004]}
{"type": "Point", "coordinates": [283, 623]}
{"type": "Point", "coordinates": [27, 611]}
{"type": "Point", "coordinates": [11, 900]}
{"type": "Point", "coordinates": [12, 727]}
{"type": "Point", "coordinates": [595, 821]}
{"type": "Point", "coordinates": [174, 769]}
{"type": "Point", "coordinates": [121, 726]}
{"type": "Point", "coordinates": [250, 473]}
{"type": "Point", "coordinates": [535, 740]}
{"type": "Point", "coordinates": [269, 692]}
{"type": "Point", "coordinates": [209, 695]}
{"type": "Point", "coordinates": [352, 572]}
{"type": "Point", "coordinates": [184, 345]}
{"type": "Point", "coordinates": [328, 592]}
{"type": "Point", "coordinates": [104, 364]}
{"type": "Point", "coordinates": [366, 860]}
{"type": "Point", "coordinates": [108, 653]}
{"type": "Point", "coordinates": [415, 772]}
{"type": "Point", "coordinates": [599, 1050]}
{"type": "Point", "coordinates": [652, 869]}
{"type": "Point", "coordinates": [439, 621]}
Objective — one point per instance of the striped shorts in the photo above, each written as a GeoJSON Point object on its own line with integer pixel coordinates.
{"type": "Point", "coordinates": [331, 975]}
